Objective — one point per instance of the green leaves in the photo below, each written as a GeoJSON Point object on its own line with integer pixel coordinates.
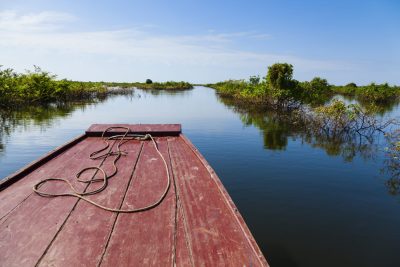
{"type": "Point", "coordinates": [39, 86]}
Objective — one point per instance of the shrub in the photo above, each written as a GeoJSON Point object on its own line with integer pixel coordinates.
{"type": "Point", "coordinates": [378, 93]}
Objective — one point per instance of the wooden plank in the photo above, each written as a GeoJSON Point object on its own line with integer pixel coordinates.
{"type": "Point", "coordinates": [153, 129]}
{"type": "Point", "coordinates": [17, 192]}
{"type": "Point", "coordinates": [215, 235]}
{"type": "Point", "coordinates": [196, 224]}
{"type": "Point", "coordinates": [84, 236]}
{"type": "Point", "coordinates": [28, 230]}
{"type": "Point", "coordinates": [145, 238]}
{"type": "Point", "coordinates": [228, 200]}
{"type": "Point", "coordinates": [183, 250]}
{"type": "Point", "coordinates": [7, 181]}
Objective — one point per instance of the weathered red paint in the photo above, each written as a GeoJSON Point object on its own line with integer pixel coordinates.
{"type": "Point", "coordinates": [201, 227]}
{"type": "Point", "coordinates": [153, 129]}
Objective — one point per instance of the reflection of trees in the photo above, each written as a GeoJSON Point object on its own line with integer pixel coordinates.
{"type": "Point", "coordinates": [27, 116]}
{"type": "Point", "coordinates": [278, 127]}
{"type": "Point", "coordinates": [392, 163]}
{"type": "Point", "coordinates": [158, 92]}
{"type": "Point", "coordinates": [275, 134]}
{"type": "Point", "coordinates": [376, 108]}
{"type": "Point", "coordinates": [43, 116]}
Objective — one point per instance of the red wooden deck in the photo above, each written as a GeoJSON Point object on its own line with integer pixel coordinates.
{"type": "Point", "coordinates": [197, 224]}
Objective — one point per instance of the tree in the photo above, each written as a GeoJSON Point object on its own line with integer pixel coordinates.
{"type": "Point", "coordinates": [148, 81]}
{"type": "Point", "coordinates": [352, 85]}
{"type": "Point", "coordinates": [254, 80]}
{"type": "Point", "coordinates": [316, 92]}
{"type": "Point", "coordinates": [280, 75]}
{"type": "Point", "coordinates": [282, 85]}
{"type": "Point", "coordinates": [319, 85]}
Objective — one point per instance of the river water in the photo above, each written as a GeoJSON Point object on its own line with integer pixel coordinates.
{"type": "Point", "coordinates": [307, 202]}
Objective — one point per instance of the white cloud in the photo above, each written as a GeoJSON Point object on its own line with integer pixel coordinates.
{"type": "Point", "coordinates": [45, 37]}
{"type": "Point", "coordinates": [48, 20]}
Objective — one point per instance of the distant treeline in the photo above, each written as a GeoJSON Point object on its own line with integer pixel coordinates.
{"type": "Point", "coordinates": [170, 85]}
{"type": "Point", "coordinates": [39, 86]}
{"type": "Point", "coordinates": [280, 90]}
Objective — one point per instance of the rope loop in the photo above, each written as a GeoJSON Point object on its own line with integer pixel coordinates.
{"type": "Point", "coordinates": [120, 139]}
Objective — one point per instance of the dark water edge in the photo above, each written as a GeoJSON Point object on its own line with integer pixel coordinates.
{"type": "Point", "coordinates": [308, 202]}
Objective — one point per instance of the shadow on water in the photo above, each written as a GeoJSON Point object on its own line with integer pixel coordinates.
{"type": "Point", "coordinates": [281, 256]}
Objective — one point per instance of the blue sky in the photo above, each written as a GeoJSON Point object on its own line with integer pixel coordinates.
{"type": "Point", "coordinates": [203, 41]}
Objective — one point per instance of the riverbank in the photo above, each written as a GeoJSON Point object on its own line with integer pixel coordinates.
{"type": "Point", "coordinates": [40, 87]}
{"type": "Point", "coordinates": [310, 108]}
{"type": "Point", "coordinates": [170, 85]}
{"type": "Point", "coordinates": [279, 90]}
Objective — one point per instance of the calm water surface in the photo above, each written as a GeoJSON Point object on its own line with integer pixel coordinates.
{"type": "Point", "coordinates": [306, 203]}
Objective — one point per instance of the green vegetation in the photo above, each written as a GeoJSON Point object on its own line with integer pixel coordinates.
{"type": "Point", "coordinates": [39, 87]}
{"type": "Point", "coordinates": [306, 110]}
{"type": "Point", "coordinates": [375, 93]}
{"type": "Point", "coordinates": [278, 90]}
{"type": "Point", "coordinates": [392, 162]}
{"type": "Point", "coordinates": [42, 87]}
{"type": "Point", "coordinates": [170, 85]}
{"type": "Point", "coordinates": [336, 128]}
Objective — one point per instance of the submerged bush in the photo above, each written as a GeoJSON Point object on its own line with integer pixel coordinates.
{"type": "Point", "coordinates": [378, 93]}
{"type": "Point", "coordinates": [280, 91]}
{"type": "Point", "coordinates": [316, 91]}
{"type": "Point", "coordinates": [39, 86]}
{"type": "Point", "coordinates": [392, 162]}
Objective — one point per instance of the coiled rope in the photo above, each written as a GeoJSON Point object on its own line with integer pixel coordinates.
{"type": "Point", "coordinates": [122, 139]}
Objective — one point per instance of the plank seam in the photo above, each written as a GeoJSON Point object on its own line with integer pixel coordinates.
{"type": "Point", "coordinates": [30, 194]}
{"type": "Point", "coordinates": [69, 214]}
{"type": "Point", "coordinates": [185, 226]}
{"type": "Point", "coordinates": [227, 201]}
{"type": "Point", "coordinates": [175, 209]}
{"type": "Point", "coordinates": [120, 205]}
{"type": "Point", "coordinates": [10, 211]}
{"type": "Point", "coordinates": [19, 174]}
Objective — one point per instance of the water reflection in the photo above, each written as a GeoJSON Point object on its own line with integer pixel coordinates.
{"type": "Point", "coordinates": [299, 202]}
{"type": "Point", "coordinates": [277, 128]}
{"type": "Point", "coordinates": [392, 163]}
{"type": "Point", "coordinates": [156, 93]}
{"type": "Point", "coordinates": [377, 109]}
{"type": "Point", "coordinates": [42, 116]}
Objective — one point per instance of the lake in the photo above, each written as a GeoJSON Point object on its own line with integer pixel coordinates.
{"type": "Point", "coordinates": [307, 202]}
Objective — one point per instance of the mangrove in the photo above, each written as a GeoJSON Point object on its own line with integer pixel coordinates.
{"type": "Point", "coordinates": [40, 87]}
